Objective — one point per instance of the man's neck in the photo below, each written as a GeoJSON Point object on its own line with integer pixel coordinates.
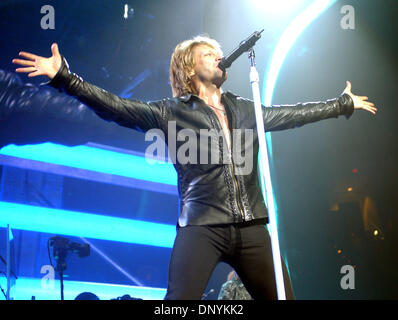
{"type": "Point", "coordinates": [210, 94]}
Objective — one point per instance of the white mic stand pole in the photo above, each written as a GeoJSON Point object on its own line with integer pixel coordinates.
{"type": "Point", "coordinates": [254, 80]}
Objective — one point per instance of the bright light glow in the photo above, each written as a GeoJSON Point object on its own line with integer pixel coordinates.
{"type": "Point", "coordinates": [349, 189]}
{"type": "Point", "coordinates": [73, 223]}
{"type": "Point", "coordinates": [285, 43]}
{"type": "Point", "coordinates": [126, 8]}
{"type": "Point", "coordinates": [95, 159]}
{"type": "Point", "coordinates": [375, 233]}
{"type": "Point", "coordinates": [25, 288]}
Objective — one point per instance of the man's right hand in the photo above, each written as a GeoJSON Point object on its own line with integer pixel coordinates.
{"type": "Point", "coordinates": [40, 66]}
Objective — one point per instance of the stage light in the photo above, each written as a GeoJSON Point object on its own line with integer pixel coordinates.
{"type": "Point", "coordinates": [128, 11]}
{"type": "Point", "coordinates": [126, 8]}
{"type": "Point", "coordinates": [96, 159]}
{"type": "Point", "coordinates": [73, 223]}
{"type": "Point", "coordinates": [375, 232]}
{"type": "Point", "coordinates": [349, 189]}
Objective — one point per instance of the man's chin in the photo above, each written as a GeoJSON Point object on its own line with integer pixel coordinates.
{"type": "Point", "coordinates": [221, 78]}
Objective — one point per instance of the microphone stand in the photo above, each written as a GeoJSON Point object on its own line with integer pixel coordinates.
{"type": "Point", "coordinates": [254, 81]}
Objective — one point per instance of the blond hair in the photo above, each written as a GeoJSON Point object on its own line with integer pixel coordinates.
{"type": "Point", "coordinates": [182, 64]}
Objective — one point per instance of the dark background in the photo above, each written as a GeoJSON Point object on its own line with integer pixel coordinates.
{"type": "Point", "coordinates": [313, 165]}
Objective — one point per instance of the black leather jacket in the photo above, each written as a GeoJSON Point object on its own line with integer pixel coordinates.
{"type": "Point", "coordinates": [210, 193]}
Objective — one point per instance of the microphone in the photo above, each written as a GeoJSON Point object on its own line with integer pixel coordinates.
{"type": "Point", "coordinates": [244, 46]}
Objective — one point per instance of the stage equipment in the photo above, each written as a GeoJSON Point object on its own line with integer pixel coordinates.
{"type": "Point", "coordinates": [247, 46]}
{"type": "Point", "coordinates": [61, 246]}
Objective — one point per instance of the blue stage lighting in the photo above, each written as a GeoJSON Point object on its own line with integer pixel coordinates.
{"type": "Point", "coordinates": [72, 223]}
{"type": "Point", "coordinates": [48, 289]}
{"type": "Point", "coordinates": [96, 159]}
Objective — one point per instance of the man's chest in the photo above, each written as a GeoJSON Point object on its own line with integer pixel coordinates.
{"type": "Point", "coordinates": [223, 119]}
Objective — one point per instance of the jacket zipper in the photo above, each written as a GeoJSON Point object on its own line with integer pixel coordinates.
{"type": "Point", "coordinates": [238, 200]}
{"type": "Point", "coordinates": [237, 190]}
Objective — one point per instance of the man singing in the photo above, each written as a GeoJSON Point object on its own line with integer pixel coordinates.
{"type": "Point", "coordinates": [222, 214]}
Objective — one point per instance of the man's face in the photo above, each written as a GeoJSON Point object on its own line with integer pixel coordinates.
{"type": "Point", "coordinates": [206, 65]}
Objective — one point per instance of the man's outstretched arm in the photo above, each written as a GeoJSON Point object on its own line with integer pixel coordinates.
{"type": "Point", "coordinates": [280, 117]}
{"type": "Point", "coordinates": [32, 114]}
{"type": "Point", "coordinates": [135, 114]}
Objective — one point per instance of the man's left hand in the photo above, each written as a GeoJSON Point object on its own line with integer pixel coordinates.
{"type": "Point", "coordinates": [359, 101]}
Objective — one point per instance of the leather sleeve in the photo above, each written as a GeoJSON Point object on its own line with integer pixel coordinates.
{"type": "Point", "coordinates": [280, 117]}
{"type": "Point", "coordinates": [134, 114]}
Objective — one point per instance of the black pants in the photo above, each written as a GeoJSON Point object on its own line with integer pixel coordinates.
{"type": "Point", "coordinates": [246, 248]}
